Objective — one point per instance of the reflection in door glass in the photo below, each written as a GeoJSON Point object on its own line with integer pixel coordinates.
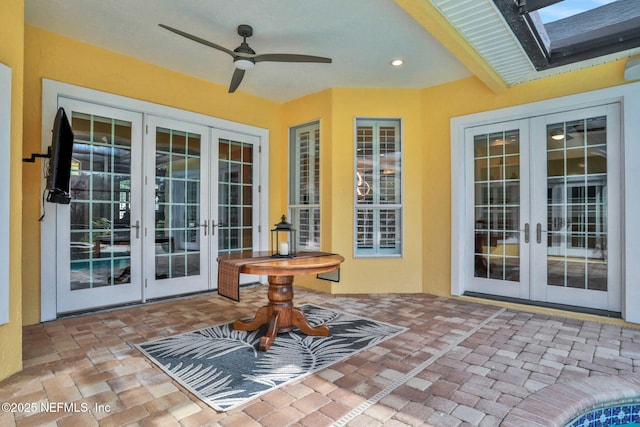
{"type": "Point", "coordinates": [577, 204]}
{"type": "Point", "coordinates": [497, 205]}
{"type": "Point", "coordinates": [235, 196]}
{"type": "Point", "coordinates": [177, 204]}
{"type": "Point", "coordinates": [100, 187]}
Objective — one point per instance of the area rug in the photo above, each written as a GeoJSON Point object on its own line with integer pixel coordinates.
{"type": "Point", "coordinates": [225, 369]}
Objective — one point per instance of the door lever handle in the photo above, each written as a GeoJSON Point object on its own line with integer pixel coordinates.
{"type": "Point", "coordinates": [137, 227]}
{"type": "Point", "coordinates": [539, 232]}
{"type": "Point", "coordinates": [205, 225]}
{"type": "Point", "coordinates": [213, 227]}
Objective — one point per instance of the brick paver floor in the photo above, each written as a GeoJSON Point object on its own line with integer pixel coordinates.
{"type": "Point", "coordinates": [460, 363]}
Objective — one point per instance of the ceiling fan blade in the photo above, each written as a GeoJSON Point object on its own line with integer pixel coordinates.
{"type": "Point", "coordinates": [290, 57]}
{"type": "Point", "coordinates": [197, 39]}
{"type": "Point", "coordinates": [238, 74]}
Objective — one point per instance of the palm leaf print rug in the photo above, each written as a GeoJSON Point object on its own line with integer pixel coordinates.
{"type": "Point", "coordinates": [225, 369]}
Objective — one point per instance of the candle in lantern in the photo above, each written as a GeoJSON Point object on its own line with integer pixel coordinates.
{"type": "Point", "coordinates": [284, 248]}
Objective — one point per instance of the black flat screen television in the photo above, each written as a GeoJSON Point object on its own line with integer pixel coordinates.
{"type": "Point", "coordinates": [59, 171]}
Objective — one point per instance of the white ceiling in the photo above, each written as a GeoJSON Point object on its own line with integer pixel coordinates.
{"type": "Point", "coordinates": [361, 36]}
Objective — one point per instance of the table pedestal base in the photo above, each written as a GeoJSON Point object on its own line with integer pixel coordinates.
{"type": "Point", "coordinates": [280, 314]}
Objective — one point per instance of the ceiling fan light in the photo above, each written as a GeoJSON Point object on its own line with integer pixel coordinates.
{"type": "Point", "coordinates": [243, 63]}
{"type": "Point", "coordinates": [557, 134]}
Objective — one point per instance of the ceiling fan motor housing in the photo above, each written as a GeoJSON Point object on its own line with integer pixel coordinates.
{"type": "Point", "coordinates": [245, 30]}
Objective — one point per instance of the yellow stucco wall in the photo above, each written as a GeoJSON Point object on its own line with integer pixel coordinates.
{"type": "Point", "coordinates": [49, 55]}
{"type": "Point", "coordinates": [337, 109]}
{"type": "Point", "coordinates": [11, 54]}
{"type": "Point", "coordinates": [374, 275]}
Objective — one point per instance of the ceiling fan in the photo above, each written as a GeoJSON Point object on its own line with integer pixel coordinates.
{"type": "Point", "coordinates": [244, 58]}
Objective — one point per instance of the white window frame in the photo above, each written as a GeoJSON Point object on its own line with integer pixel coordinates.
{"type": "Point", "coordinates": [5, 191]}
{"type": "Point", "coordinates": [628, 96]}
{"type": "Point", "coordinates": [377, 251]}
{"type": "Point", "coordinates": [295, 205]}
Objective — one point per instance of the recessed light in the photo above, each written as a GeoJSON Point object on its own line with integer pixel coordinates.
{"type": "Point", "coordinates": [397, 62]}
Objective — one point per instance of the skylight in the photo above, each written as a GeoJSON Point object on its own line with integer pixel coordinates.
{"type": "Point", "coordinates": [567, 8]}
{"type": "Point", "coordinates": [560, 32]}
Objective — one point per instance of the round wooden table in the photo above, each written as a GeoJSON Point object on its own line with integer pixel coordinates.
{"type": "Point", "coordinates": [279, 313]}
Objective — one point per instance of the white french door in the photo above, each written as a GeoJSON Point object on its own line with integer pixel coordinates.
{"type": "Point", "coordinates": [205, 204]}
{"type": "Point", "coordinates": [98, 235]}
{"type": "Point", "coordinates": [176, 216]}
{"type": "Point", "coordinates": [576, 228]}
{"type": "Point", "coordinates": [543, 208]}
{"type": "Point", "coordinates": [152, 207]}
{"type": "Point", "coordinates": [236, 190]}
{"type": "Point", "coordinates": [497, 195]}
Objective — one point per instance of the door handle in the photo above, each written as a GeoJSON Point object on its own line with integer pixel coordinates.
{"type": "Point", "coordinates": [539, 232]}
{"type": "Point", "coordinates": [205, 225]}
{"type": "Point", "coordinates": [526, 232]}
{"type": "Point", "coordinates": [137, 227]}
{"type": "Point", "coordinates": [213, 227]}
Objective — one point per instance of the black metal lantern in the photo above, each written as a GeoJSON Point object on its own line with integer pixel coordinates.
{"type": "Point", "coordinates": [283, 240]}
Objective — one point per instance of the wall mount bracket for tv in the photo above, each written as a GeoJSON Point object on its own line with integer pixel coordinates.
{"type": "Point", "coordinates": [33, 157]}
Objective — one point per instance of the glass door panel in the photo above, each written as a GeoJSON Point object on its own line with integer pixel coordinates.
{"type": "Point", "coordinates": [103, 247]}
{"type": "Point", "coordinates": [101, 203]}
{"type": "Point", "coordinates": [235, 196]}
{"type": "Point", "coordinates": [577, 204]}
{"type": "Point", "coordinates": [581, 163]}
{"type": "Point", "coordinates": [177, 207]}
{"type": "Point", "coordinates": [497, 205]}
{"type": "Point", "coordinates": [235, 191]}
{"type": "Point", "coordinates": [177, 224]}
{"type": "Point", "coordinates": [498, 209]}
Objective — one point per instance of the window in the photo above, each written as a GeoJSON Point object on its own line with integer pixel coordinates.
{"type": "Point", "coordinates": [559, 32]}
{"type": "Point", "coordinates": [378, 187]}
{"type": "Point", "coordinates": [304, 184]}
